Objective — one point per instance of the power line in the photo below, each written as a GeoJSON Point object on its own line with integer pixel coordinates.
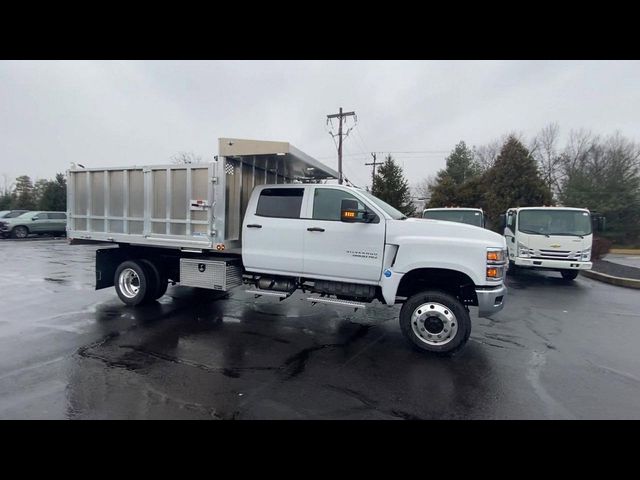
{"type": "Point", "coordinates": [355, 169]}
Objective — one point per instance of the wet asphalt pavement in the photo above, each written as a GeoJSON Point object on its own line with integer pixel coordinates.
{"type": "Point", "coordinates": [557, 351]}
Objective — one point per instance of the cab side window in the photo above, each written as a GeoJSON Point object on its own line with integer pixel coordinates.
{"type": "Point", "coordinates": [58, 216]}
{"type": "Point", "coordinates": [327, 203]}
{"type": "Point", "coordinates": [280, 202]}
{"type": "Point", "coordinates": [41, 216]}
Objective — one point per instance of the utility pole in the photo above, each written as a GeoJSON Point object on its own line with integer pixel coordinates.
{"type": "Point", "coordinates": [340, 116]}
{"type": "Point", "coordinates": [373, 171]}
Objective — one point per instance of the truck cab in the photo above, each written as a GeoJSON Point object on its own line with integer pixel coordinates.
{"type": "Point", "coordinates": [470, 216]}
{"type": "Point", "coordinates": [343, 241]}
{"type": "Point", "coordinates": [549, 238]}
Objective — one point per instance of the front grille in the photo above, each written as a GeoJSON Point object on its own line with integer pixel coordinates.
{"type": "Point", "coordinates": [556, 255]}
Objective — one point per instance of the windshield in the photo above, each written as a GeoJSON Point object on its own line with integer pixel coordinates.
{"type": "Point", "coordinates": [471, 217]}
{"type": "Point", "coordinates": [389, 210]}
{"type": "Point", "coordinates": [26, 214]}
{"type": "Point", "coordinates": [555, 222]}
{"type": "Point", "coordinates": [3, 213]}
{"type": "Point", "coordinates": [15, 214]}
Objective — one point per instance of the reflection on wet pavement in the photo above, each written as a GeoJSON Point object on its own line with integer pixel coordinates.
{"type": "Point", "coordinates": [68, 351]}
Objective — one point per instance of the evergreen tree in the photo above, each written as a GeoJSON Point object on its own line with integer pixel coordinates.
{"type": "Point", "coordinates": [444, 193]}
{"type": "Point", "coordinates": [514, 181]}
{"type": "Point", "coordinates": [461, 165]}
{"type": "Point", "coordinates": [54, 195]}
{"type": "Point", "coordinates": [38, 190]}
{"type": "Point", "coordinates": [460, 169]}
{"type": "Point", "coordinates": [390, 186]}
{"type": "Point", "coordinates": [22, 197]}
{"type": "Point", "coordinates": [5, 201]}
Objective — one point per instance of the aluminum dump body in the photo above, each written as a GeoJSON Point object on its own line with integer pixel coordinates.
{"type": "Point", "coordinates": [187, 206]}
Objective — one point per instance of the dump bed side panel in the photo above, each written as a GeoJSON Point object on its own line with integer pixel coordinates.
{"type": "Point", "coordinates": [157, 205]}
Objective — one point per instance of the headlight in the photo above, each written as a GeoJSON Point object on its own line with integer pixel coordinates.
{"type": "Point", "coordinates": [496, 256]}
{"type": "Point", "coordinates": [496, 260]}
{"type": "Point", "coordinates": [586, 255]}
{"type": "Point", "coordinates": [524, 251]}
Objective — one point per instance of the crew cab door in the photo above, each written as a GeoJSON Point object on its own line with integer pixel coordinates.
{"type": "Point", "coordinates": [336, 250]}
{"type": "Point", "coordinates": [272, 231]}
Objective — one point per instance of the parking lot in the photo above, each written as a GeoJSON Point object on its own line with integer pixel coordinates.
{"type": "Point", "coordinates": [558, 350]}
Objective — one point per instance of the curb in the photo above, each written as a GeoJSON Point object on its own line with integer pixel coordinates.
{"type": "Point", "coordinates": [618, 281]}
{"type": "Point", "coordinates": [625, 251]}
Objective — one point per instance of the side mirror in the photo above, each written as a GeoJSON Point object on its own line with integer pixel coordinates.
{"type": "Point", "coordinates": [349, 210]}
{"type": "Point", "coordinates": [34, 219]}
{"type": "Point", "coordinates": [503, 221]}
{"type": "Point", "coordinates": [601, 224]}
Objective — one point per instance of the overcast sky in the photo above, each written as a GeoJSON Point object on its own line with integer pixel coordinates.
{"type": "Point", "coordinates": [110, 113]}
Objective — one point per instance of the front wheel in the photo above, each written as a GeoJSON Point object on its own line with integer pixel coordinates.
{"type": "Point", "coordinates": [20, 232]}
{"type": "Point", "coordinates": [569, 274]}
{"type": "Point", "coordinates": [435, 321]}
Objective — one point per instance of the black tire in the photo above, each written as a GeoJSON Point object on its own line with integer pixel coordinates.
{"type": "Point", "coordinates": [461, 316]}
{"type": "Point", "coordinates": [161, 282]}
{"type": "Point", "coordinates": [20, 232]}
{"type": "Point", "coordinates": [145, 283]}
{"type": "Point", "coordinates": [569, 274]}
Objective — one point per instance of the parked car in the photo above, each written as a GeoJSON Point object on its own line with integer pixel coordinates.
{"type": "Point", "coordinates": [34, 222]}
{"type": "Point", "coordinates": [11, 213]}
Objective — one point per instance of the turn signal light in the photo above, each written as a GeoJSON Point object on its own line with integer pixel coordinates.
{"type": "Point", "coordinates": [494, 256]}
{"type": "Point", "coordinates": [492, 272]}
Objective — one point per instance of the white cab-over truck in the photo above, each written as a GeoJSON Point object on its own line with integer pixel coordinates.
{"type": "Point", "coordinates": [258, 216]}
{"type": "Point", "coordinates": [549, 238]}
{"type": "Point", "coordinates": [470, 216]}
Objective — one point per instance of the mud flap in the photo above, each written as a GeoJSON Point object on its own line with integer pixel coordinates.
{"type": "Point", "coordinates": [107, 261]}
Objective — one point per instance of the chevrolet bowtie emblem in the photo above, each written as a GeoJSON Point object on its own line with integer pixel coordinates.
{"type": "Point", "coordinates": [555, 245]}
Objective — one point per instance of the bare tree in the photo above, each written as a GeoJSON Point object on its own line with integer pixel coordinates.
{"type": "Point", "coordinates": [485, 155]}
{"type": "Point", "coordinates": [421, 191]}
{"type": "Point", "coordinates": [544, 148]}
{"type": "Point", "coordinates": [186, 158]}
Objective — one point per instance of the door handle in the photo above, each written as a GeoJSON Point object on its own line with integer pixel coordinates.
{"type": "Point", "coordinates": [254, 225]}
{"type": "Point", "coordinates": [315, 229]}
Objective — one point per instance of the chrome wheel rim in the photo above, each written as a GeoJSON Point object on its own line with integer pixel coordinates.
{"type": "Point", "coordinates": [129, 282]}
{"type": "Point", "coordinates": [434, 323]}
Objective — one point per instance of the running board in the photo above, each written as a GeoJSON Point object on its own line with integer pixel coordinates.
{"type": "Point", "coordinates": [335, 301]}
{"type": "Point", "coordinates": [271, 293]}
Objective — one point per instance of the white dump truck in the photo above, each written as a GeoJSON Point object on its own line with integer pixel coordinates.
{"type": "Point", "coordinates": [262, 215]}
{"type": "Point", "coordinates": [470, 216]}
{"type": "Point", "coordinates": [549, 238]}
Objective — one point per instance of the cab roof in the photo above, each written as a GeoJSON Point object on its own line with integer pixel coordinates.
{"type": "Point", "coordinates": [544, 207]}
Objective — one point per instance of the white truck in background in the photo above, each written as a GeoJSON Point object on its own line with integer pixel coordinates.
{"type": "Point", "coordinates": [258, 216]}
{"type": "Point", "coordinates": [470, 216]}
{"type": "Point", "coordinates": [549, 238]}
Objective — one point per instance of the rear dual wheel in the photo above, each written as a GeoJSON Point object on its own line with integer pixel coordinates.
{"type": "Point", "coordinates": [138, 282]}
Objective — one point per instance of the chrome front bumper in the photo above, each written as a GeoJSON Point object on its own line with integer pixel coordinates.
{"type": "Point", "coordinates": [491, 300]}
